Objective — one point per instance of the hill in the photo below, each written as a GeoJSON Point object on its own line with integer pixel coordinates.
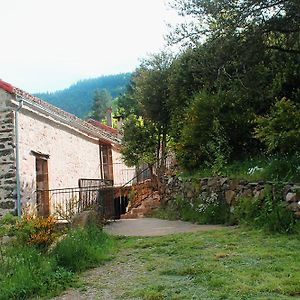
{"type": "Point", "coordinates": [77, 99]}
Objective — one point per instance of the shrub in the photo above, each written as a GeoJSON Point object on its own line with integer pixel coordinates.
{"type": "Point", "coordinates": [269, 213]}
{"type": "Point", "coordinates": [26, 272]}
{"type": "Point", "coordinates": [202, 139]}
{"type": "Point", "coordinates": [215, 131]}
{"type": "Point", "coordinates": [280, 131]}
{"type": "Point", "coordinates": [7, 224]}
{"type": "Point", "coordinates": [36, 231]}
{"type": "Point", "coordinates": [206, 209]}
{"type": "Point", "coordinates": [83, 248]}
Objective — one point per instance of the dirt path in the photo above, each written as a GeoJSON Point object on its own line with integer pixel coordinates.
{"type": "Point", "coordinates": [154, 227]}
{"type": "Point", "coordinates": [115, 279]}
{"type": "Point", "coordinates": [109, 282]}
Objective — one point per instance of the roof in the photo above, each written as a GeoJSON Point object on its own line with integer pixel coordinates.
{"type": "Point", "coordinates": [103, 126]}
{"type": "Point", "coordinates": [97, 131]}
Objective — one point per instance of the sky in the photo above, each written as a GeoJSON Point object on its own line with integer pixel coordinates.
{"type": "Point", "coordinates": [47, 45]}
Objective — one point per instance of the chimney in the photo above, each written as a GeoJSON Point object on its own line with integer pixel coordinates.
{"type": "Point", "coordinates": [119, 121]}
{"type": "Point", "coordinates": [108, 117]}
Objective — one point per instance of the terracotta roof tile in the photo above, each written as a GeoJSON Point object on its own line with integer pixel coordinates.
{"type": "Point", "coordinates": [104, 133]}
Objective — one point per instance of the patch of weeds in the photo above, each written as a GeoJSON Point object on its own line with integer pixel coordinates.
{"type": "Point", "coordinates": [269, 213]}
{"type": "Point", "coordinates": [26, 272]}
{"type": "Point", "coordinates": [205, 209]}
{"type": "Point", "coordinates": [83, 249]}
{"type": "Point", "coordinates": [28, 269]}
{"type": "Point", "coordinates": [153, 292]}
{"type": "Point", "coordinates": [272, 167]}
{"type": "Point", "coordinates": [8, 225]}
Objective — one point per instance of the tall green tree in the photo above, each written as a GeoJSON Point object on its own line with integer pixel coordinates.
{"type": "Point", "coordinates": [102, 100]}
{"type": "Point", "coordinates": [145, 106]}
{"type": "Point", "coordinates": [277, 20]}
{"type": "Point", "coordinates": [245, 54]}
{"type": "Point", "coordinates": [152, 92]}
{"type": "Point", "coordinates": [139, 142]}
{"type": "Point", "coordinates": [280, 130]}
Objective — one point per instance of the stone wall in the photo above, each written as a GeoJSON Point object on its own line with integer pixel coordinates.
{"type": "Point", "coordinates": [227, 190]}
{"type": "Point", "coordinates": [7, 155]}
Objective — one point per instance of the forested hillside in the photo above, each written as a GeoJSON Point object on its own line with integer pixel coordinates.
{"type": "Point", "coordinates": [77, 99]}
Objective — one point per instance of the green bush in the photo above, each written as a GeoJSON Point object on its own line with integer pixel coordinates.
{"type": "Point", "coordinates": [206, 209]}
{"type": "Point", "coordinates": [83, 249]}
{"type": "Point", "coordinates": [285, 168]}
{"type": "Point", "coordinates": [203, 210]}
{"type": "Point", "coordinates": [8, 224]}
{"type": "Point", "coordinates": [202, 139]}
{"type": "Point", "coordinates": [280, 130]}
{"type": "Point", "coordinates": [36, 231]}
{"type": "Point", "coordinates": [215, 131]}
{"type": "Point", "coordinates": [282, 168]}
{"type": "Point", "coordinates": [269, 213]}
{"type": "Point", "coordinates": [26, 272]}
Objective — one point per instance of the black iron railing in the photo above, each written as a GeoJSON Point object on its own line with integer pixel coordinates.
{"type": "Point", "coordinates": [66, 203]}
{"type": "Point", "coordinates": [110, 201]}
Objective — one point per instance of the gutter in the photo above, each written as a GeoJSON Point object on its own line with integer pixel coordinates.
{"type": "Point", "coordinates": [17, 110]}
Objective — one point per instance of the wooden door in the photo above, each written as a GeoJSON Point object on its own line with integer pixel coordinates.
{"type": "Point", "coordinates": [106, 162]}
{"type": "Point", "coordinates": [42, 187]}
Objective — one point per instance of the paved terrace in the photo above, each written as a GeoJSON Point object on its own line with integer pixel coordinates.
{"type": "Point", "coordinates": [154, 227]}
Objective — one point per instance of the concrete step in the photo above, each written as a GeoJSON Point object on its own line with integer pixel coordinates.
{"type": "Point", "coordinates": [138, 210]}
{"type": "Point", "coordinates": [129, 216]}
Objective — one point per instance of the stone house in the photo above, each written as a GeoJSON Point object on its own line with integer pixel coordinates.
{"type": "Point", "coordinates": [43, 148]}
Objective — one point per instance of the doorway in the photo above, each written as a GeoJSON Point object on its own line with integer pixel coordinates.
{"type": "Point", "coordinates": [42, 187]}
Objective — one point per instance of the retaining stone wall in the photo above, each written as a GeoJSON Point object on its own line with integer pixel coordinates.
{"type": "Point", "coordinates": [7, 155]}
{"type": "Point", "coordinates": [227, 189]}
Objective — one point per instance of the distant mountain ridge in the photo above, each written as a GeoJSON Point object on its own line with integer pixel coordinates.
{"type": "Point", "coordinates": [77, 99]}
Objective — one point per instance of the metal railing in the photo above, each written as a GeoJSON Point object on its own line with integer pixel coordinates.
{"type": "Point", "coordinates": [67, 202]}
{"type": "Point", "coordinates": [108, 197]}
{"type": "Point", "coordinates": [122, 175]}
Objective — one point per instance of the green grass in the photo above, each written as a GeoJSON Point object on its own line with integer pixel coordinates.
{"type": "Point", "coordinates": [26, 272]}
{"type": "Point", "coordinates": [83, 249]}
{"type": "Point", "coordinates": [233, 263]}
{"type": "Point", "coordinates": [274, 168]}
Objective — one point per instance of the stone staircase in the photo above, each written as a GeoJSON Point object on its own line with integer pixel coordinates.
{"type": "Point", "coordinates": [145, 199]}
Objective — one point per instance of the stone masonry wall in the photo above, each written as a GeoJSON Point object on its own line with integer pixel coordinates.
{"type": "Point", "coordinates": [227, 189]}
{"type": "Point", "coordinates": [7, 155]}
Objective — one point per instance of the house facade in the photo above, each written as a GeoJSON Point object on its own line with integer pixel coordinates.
{"type": "Point", "coordinates": [43, 148]}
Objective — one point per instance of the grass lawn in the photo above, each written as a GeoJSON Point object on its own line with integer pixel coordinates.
{"type": "Point", "coordinates": [233, 263]}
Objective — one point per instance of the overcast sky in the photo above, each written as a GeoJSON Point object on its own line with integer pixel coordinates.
{"type": "Point", "coordinates": [46, 45]}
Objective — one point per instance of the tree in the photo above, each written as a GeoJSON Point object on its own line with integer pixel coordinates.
{"type": "Point", "coordinates": [147, 99]}
{"type": "Point", "coordinates": [280, 130]}
{"type": "Point", "coordinates": [243, 53]}
{"type": "Point", "coordinates": [139, 142]}
{"type": "Point", "coordinates": [101, 102]}
{"type": "Point", "coordinates": [278, 21]}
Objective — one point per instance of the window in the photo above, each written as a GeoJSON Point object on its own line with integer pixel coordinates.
{"type": "Point", "coordinates": [106, 166]}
